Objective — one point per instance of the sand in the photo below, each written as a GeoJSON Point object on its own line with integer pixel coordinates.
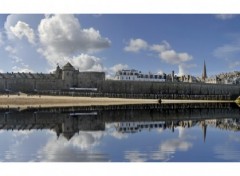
{"type": "Point", "coordinates": [24, 101]}
{"type": "Point", "coordinates": [59, 101]}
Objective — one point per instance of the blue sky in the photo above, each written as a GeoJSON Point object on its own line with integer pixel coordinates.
{"type": "Point", "coordinates": [146, 42]}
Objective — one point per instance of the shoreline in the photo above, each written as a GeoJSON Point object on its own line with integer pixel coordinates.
{"type": "Point", "coordinates": [25, 101]}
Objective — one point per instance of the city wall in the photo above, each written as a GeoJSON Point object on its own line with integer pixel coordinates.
{"type": "Point", "coordinates": [120, 89]}
{"type": "Point", "coordinates": [169, 90]}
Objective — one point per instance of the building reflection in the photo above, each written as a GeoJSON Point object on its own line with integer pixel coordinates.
{"type": "Point", "coordinates": [126, 119]}
{"type": "Point", "coordinates": [134, 127]}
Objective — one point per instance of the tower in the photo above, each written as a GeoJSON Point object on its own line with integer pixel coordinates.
{"type": "Point", "coordinates": [204, 74]}
{"type": "Point", "coordinates": [68, 75]}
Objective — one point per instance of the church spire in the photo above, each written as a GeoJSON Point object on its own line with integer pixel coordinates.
{"type": "Point", "coordinates": [204, 128]}
{"type": "Point", "coordinates": [204, 74]}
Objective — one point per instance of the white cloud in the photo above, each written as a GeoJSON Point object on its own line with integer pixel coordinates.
{"type": "Point", "coordinates": [118, 67]}
{"type": "Point", "coordinates": [23, 68]}
{"type": "Point", "coordinates": [135, 156]}
{"type": "Point", "coordinates": [16, 59]}
{"type": "Point", "coordinates": [13, 19]}
{"type": "Point", "coordinates": [234, 64]}
{"type": "Point", "coordinates": [183, 68]}
{"type": "Point", "coordinates": [135, 45]}
{"type": "Point", "coordinates": [10, 49]}
{"type": "Point", "coordinates": [165, 152]}
{"type": "Point", "coordinates": [175, 144]}
{"type": "Point", "coordinates": [62, 36]}
{"type": "Point", "coordinates": [226, 50]}
{"type": "Point", "coordinates": [160, 72]}
{"type": "Point", "coordinates": [225, 16]}
{"type": "Point", "coordinates": [172, 57]}
{"type": "Point", "coordinates": [22, 29]}
{"type": "Point", "coordinates": [112, 70]}
{"type": "Point", "coordinates": [160, 47]}
{"type": "Point", "coordinates": [1, 39]}
{"type": "Point", "coordinates": [111, 131]}
{"type": "Point", "coordinates": [85, 62]}
{"type": "Point", "coordinates": [63, 150]}
{"type": "Point", "coordinates": [164, 50]}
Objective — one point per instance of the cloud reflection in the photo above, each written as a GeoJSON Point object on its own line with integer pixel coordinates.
{"type": "Point", "coordinates": [82, 147]}
{"type": "Point", "coordinates": [166, 149]}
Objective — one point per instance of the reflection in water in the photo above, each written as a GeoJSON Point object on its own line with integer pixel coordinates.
{"type": "Point", "coordinates": [121, 133]}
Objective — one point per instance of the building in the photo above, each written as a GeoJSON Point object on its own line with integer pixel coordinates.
{"type": "Point", "coordinates": [61, 79]}
{"type": "Point", "coordinates": [134, 75]}
{"type": "Point", "coordinates": [213, 80]}
{"type": "Point", "coordinates": [134, 127]}
{"type": "Point", "coordinates": [188, 78]}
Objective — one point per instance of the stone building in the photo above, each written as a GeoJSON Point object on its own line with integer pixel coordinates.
{"type": "Point", "coordinates": [135, 75]}
{"type": "Point", "coordinates": [213, 80]}
{"type": "Point", "coordinates": [61, 79]}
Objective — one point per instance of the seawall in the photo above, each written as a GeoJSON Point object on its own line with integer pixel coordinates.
{"type": "Point", "coordinates": [161, 90]}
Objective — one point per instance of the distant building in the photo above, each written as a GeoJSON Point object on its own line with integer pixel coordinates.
{"type": "Point", "coordinates": [133, 127]}
{"type": "Point", "coordinates": [188, 78]}
{"type": "Point", "coordinates": [213, 80]}
{"type": "Point", "coordinates": [134, 75]}
{"type": "Point", "coordinates": [63, 78]}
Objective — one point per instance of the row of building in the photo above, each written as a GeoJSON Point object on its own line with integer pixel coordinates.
{"type": "Point", "coordinates": [135, 127]}
{"type": "Point", "coordinates": [135, 75]}
{"type": "Point", "coordinates": [69, 78]}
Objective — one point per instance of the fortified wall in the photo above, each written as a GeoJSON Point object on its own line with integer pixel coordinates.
{"type": "Point", "coordinates": [62, 79]}
{"type": "Point", "coordinates": [170, 90]}
{"type": "Point", "coordinates": [68, 77]}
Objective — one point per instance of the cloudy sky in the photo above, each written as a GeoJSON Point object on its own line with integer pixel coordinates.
{"type": "Point", "coordinates": [155, 43]}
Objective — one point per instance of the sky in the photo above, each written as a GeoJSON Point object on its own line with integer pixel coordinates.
{"type": "Point", "coordinates": [109, 42]}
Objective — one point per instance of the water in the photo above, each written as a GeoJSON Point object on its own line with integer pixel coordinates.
{"type": "Point", "coordinates": [153, 133]}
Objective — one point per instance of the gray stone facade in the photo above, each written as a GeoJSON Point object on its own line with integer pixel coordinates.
{"type": "Point", "coordinates": [62, 79]}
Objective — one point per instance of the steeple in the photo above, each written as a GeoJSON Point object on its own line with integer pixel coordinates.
{"type": "Point", "coordinates": [204, 74]}
{"type": "Point", "coordinates": [204, 128]}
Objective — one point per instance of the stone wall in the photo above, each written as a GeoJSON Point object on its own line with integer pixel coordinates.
{"type": "Point", "coordinates": [169, 89]}
{"type": "Point", "coordinates": [90, 79]}
{"type": "Point", "coordinates": [81, 79]}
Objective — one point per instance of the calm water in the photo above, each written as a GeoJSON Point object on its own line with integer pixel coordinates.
{"type": "Point", "coordinates": [203, 132]}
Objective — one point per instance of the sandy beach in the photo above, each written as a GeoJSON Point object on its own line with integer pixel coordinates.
{"type": "Point", "coordinates": [59, 101]}
{"type": "Point", "coordinates": [25, 101]}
